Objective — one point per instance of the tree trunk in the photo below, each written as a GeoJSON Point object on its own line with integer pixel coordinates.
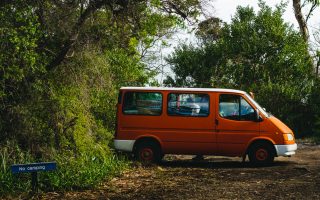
{"type": "Point", "coordinates": [73, 37]}
{"type": "Point", "coordinates": [317, 67]}
{"type": "Point", "coordinates": [300, 19]}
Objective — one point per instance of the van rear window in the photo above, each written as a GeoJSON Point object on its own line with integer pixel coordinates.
{"type": "Point", "coordinates": [142, 103]}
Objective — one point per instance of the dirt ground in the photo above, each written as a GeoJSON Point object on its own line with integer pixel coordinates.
{"type": "Point", "coordinates": [178, 177]}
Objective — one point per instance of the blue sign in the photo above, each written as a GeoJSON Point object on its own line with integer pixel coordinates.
{"type": "Point", "coordinates": [34, 167]}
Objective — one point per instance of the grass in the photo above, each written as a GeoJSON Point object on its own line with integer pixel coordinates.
{"type": "Point", "coordinates": [311, 139]}
{"type": "Point", "coordinates": [9, 183]}
{"type": "Point", "coordinates": [82, 173]}
{"type": "Point", "coordinates": [316, 139]}
{"type": "Point", "coordinates": [73, 173]}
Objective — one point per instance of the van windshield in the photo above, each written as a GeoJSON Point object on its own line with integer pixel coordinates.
{"type": "Point", "coordinates": [257, 105]}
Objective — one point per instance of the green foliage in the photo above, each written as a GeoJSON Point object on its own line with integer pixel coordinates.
{"type": "Point", "coordinates": [314, 110]}
{"type": "Point", "coordinates": [62, 64]}
{"type": "Point", "coordinates": [256, 52]}
{"type": "Point", "coordinates": [10, 154]}
{"type": "Point", "coordinates": [72, 123]}
{"type": "Point", "coordinates": [209, 30]}
{"type": "Point", "coordinates": [18, 38]}
{"type": "Point", "coordinates": [81, 172]}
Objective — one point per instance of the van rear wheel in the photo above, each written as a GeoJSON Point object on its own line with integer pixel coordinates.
{"type": "Point", "coordinates": [261, 154]}
{"type": "Point", "coordinates": [148, 153]}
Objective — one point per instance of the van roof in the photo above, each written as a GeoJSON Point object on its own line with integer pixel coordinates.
{"type": "Point", "coordinates": [184, 89]}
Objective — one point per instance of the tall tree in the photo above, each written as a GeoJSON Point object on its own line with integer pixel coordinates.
{"type": "Point", "coordinates": [255, 52]}
{"type": "Point", "coordinates": [42, 40]}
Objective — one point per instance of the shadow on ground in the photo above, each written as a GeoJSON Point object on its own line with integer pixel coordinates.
{"type": "Point", "coordinates": [221, 163]}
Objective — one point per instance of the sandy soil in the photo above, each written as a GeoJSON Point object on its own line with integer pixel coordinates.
{"type": "Point", "coordinates": [178, 177]}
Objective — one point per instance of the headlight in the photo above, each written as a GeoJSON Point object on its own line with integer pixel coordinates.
{"type": "Point", "coordinates": [288, 137]}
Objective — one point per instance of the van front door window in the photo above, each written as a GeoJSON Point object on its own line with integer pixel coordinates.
{"type": "Point", "coordinates": [235, 107]}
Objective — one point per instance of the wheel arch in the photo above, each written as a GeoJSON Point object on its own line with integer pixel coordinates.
{"type": "Point", "coordinates": [146, 139]}
{"type": "Point", "coordinates": [261, 140]}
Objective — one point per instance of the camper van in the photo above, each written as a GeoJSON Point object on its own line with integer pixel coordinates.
{"type": "Point", "coordinates": [154, 121]}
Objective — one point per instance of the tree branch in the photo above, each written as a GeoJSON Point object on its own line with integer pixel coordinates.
{"type": "Point", "coordinates": [313, 7]}
{"type": "Point", "coordinates": [70, 42]}
{"type": "Point", "coordinates": [170, 7]}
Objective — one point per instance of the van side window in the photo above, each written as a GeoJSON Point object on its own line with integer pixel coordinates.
{"type": "Point", "coordinates": [142, 103]}
{"type": "Point", "coordinates": [235, 107]}
{"type": "Point", "coordinates": [188, 105]}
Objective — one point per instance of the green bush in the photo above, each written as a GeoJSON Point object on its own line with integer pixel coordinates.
{"type": "Point", "coordinates": [314, 109]}
{"type": "Point", "coordinates": [70, 120]}
{"type": "Point", "coordinates": [10, 154]}
{"type": "Point", "coordinates": [82, 172]}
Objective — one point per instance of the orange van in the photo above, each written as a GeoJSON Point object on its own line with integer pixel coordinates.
{"type": "Point", "coordinates": [152, 122]}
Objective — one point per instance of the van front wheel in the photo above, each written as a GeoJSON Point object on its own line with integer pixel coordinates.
{"type": "Point", "coordinates": [261, 154]}
{"type": "Point", "coordinates": [148, 153]}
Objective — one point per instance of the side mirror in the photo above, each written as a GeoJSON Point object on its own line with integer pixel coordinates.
{"type": "Point", "coordinates": [257, 117]}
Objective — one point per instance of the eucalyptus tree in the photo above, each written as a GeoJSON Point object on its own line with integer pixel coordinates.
{"type": "Point", "coordinates": [62, 61]}
{"type": "Point", "coordinates": [256, 52]}
{"type": "Point", "coordinates": [303, 19]}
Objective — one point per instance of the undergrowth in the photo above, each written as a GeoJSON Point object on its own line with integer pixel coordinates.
{"type": "Point", "coordinates": [73, 172]}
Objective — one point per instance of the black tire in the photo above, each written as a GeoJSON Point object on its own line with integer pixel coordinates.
{"type": "Point", "coordinates": [148, 153]}
{"type": "Point", "coordinates": [261, 154]}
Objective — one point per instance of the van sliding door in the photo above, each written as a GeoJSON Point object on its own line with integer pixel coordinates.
{"type": "Point", "coordinates": [189, 124]}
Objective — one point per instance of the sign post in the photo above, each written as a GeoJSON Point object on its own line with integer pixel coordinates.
{"type": "Point", "coordinates": [34, 168]}
{"type": "Point", "coordinates": [34, 181]}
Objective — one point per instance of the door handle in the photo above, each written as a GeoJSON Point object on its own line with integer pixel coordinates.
{"type": "Point", "coordinates": [217, 122]}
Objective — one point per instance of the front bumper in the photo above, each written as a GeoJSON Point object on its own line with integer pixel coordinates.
{"type": "Point", "coordinates": [286, 150]}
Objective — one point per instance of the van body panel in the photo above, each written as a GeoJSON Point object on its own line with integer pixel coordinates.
{"type": "Point", "coordinates": [271, 133]}
{"type": "Point", "coordinates": [280, 125]}
{"type": "Point", "coordinates": [178, 134]}
{"type": "Point", "coordinates": [274, 128]}
{"type": "Point", "coordinates": [255, 139]}
{"type": "Point", "coordinates": [213, 134]}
